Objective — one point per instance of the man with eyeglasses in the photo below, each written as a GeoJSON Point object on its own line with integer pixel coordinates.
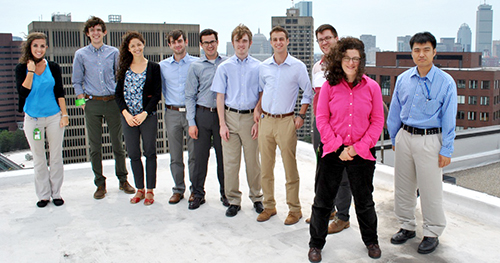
{"type": "Point", "coordinates": [421, 124]}
{"type": "Point", "coordinates": [201, 114]}
{"type": "Point", "coordinates": [280, 77]}
{"type": "Point", "coordinates": [173, 75]}
{"type": "Point", "coordinates": [237, 85]}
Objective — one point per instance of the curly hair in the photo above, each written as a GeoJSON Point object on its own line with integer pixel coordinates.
{"type": "Point", "coordinates": [92, 22]}
{"type": "Point", "coordinates": [333, 60]}
{"type": "Point", "coordinates": [26, 54]}
{"type": "Point", "coordinates": [125, 56]}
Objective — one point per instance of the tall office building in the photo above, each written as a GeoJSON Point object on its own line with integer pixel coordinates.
{"type": "Point", "coordinates": [484, 29]}
{"type": "Point", "coordinates": [464, 38]}
{"type": "Point", "coordinates": [261, 47]}
{"type": "Point", "coordinates": [496, 48]}
{"type": "Point", "coordinates": [404, 43]}
{"type": "Point", "coordinates": [10, 51]}
{"type": "Point", "coordinates": [301, 34]}
{"type": "Point", "coordinates": [305, 7]}
{"type": "Point", "coordinates": [370, 42]}
{"type": "Point", "coordinates": [66, 37]}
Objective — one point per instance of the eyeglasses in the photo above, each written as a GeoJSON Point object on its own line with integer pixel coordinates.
{"type": "Point", "coordinates": [355, 60]}
{"type": "Point", "coordinates": [327, 39]}
{"type": "Point", "coordinates": [211, 43]}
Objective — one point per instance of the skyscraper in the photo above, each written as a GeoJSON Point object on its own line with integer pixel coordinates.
{"type": "Point", "coordinates": [484, 29]}
{"type": "Point", "coordinates": [301, 34]}
{"type": "Point", "coordinates": [370, 41]}
{"type": "Point", "coordinates": [404, 43]}
{"type": "Point", "coordinates": [9, 57]}
{"type": "Point", "coordinates": [305, 7]}
{"type": "Point", "coordinates": [464, 37]}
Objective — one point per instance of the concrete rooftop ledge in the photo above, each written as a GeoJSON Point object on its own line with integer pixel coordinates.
{"type": "Point", "coordinates": [113, 230]}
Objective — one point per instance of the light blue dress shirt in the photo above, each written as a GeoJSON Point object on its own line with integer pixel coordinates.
{"type": "Point", "coordinates": [94, 70]}
{"type": "Point", "coordinates": [281, 84]}
{"type": "Point", "coordinates": [428, 102]}
{"type": "Point", "coordinates": [198, 83]}
{"type": "Point", "coordinates": [173, 79]}
{"type": "Point", "coordinates": [239, 81]}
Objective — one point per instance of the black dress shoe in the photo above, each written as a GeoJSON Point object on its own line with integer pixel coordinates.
{"type": "Point", "coordinates": [197, 201]}
{"type": "Point", "coordinates": [233, 210]}
{"type": "Point", "coordinates": [314, 254]}
{"type": "Point", "coordinates": [259, 207]}
{"type": "Point", "coordinates": [58, 201]}
{"type": "Point", "coordinates": [224, 201]}
{"type": "Point", "coordinates": [402, 236]}
{"type": "Point", "coordinates": [428, 245]}
{"type": "Point", "coordinates": [42, 203]}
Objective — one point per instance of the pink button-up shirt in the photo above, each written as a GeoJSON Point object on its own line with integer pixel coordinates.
{"type": "Point", "coordinates": [348, 116]}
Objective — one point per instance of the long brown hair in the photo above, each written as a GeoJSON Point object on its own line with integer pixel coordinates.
{"type": "Point", "coordinates": [125, 56]}
{"type": "Point", "coordinates": [26, 54]}
{"type": "Point", "coordinates": [333, 60]}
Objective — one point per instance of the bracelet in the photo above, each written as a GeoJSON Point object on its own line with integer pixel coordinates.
{"type": "Point", "coordinates": [32, 71]}
{"type": "Point", "coordinates": [66, 115]}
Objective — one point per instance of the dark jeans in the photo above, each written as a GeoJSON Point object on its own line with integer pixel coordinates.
{"type": "Point", "coordinates": [95, 113]}
{"type": "Point", "coordinates": [328, 178]}
{"type": "Point", "coordinates": [147, 130]}
{"type": "Point", "coordinates": [208, 129]}
{"type": "Point", "coordinates": [341, 202]}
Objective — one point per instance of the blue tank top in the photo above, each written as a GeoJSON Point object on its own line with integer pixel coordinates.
{"type": "Point", "coordinates": [41, 102]}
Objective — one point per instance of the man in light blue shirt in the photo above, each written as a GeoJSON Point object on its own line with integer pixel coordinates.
{"type": "Point", "coordinates": [281, 76]}
{"type": "Point", "coordinates": [421, 123]}
{"type": "Point", "coordinates": [237, 85]}
{"type": "Point", "coordinates": [174, 72]}
{"type": "Point", "coordinates": [201, 106]}
{"type": "Point", "coordinates": [94, 80]}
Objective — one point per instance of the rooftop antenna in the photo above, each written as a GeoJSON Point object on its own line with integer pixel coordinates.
{"type": "Point", "coordinates": [294, 5]}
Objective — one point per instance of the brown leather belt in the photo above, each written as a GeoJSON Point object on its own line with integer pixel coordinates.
{"type": "Point", "coordinates": [103, 98]}
{"type": "Point", "coordinates": [207, 108]}
{"type": "Point", "coordinates": [278, 115]}
{"type": "Point", "coordinates": [170, 107]}
{"type": "Point", "coordinates": [238, 111]}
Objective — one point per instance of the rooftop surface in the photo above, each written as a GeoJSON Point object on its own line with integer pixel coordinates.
{"type": "Point", "coordinates": [113, 230]}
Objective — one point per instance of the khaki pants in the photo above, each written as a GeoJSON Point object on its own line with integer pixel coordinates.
{"type": "Point", "coordinates": [280, 132]}
{"type": "Point", "coordinates": [240, 127]}
{"type": "Point", "coordinates": [416, 166]}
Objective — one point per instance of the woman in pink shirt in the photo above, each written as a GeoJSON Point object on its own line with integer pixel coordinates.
{"type": "Point", "coordinates": [350, 118]}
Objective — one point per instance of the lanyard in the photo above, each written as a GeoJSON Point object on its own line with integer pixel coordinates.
{"type": "Point", "coordinates": [427, 88]}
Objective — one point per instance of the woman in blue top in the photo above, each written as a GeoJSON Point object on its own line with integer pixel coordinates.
{"type": "Point", "coordinates": [41, 97]}
{"type": "Point", "coordinates": [138, 91]}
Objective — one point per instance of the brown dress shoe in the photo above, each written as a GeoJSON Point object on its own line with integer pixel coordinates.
{"type": "Point", "coordinates": [314, 254]}
{"type": "Point", "coordinates": [338, 225]}
{"type": "Point", "coordinates": [191, 198]}
{"type": "Point", "coordinates": [332, 216]}
{"type": "Point", "coordinates": [266, 214]}
{"type": "Point", "coordinates": [126, 187]}
{"type": "Point", "coordinates": [374, 251]}
{"type": "Point", "coordinates": [176, 198]}
{"type": "Point", "coordinates": [293, 218]}
{"type": "Point", "coordinates": [100, 192]}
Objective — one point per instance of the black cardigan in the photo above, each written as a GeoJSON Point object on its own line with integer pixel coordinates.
{"type": "Point", "coordinates": [151, 92]}
{"type": "Point", "coordinates": [24, 92]}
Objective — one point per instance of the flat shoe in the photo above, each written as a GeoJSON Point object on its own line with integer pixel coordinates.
{"type": "Point", "coordinates": [42, 203]}
{"type": "Point", "coordinates": [58, 201]}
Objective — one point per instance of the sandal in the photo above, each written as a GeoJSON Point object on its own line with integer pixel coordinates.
{"type": "Point", "coordinates": [138, 196]}
{"type": "Point", "coordinates": [149, 201]}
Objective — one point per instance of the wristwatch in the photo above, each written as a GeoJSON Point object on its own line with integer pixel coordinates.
{"type": "Point", "coordinates": [303, 116]}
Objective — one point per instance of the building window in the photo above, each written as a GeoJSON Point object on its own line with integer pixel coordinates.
{"type": "Point", "coordinates": [484, 116]}
{"type": "Point", "coordinates": [485, 84]}
{"type": "Point", "coordinates": [473, 84]}
{"type": "Point", "coordinates": [461, 83]}
{"type": "Point", "coordinates": [374, 77]}
{"type": "Point", "coordinates": [471, 115]}
{"type": "Point", "coordinates": [461, 99]}
{"type": "Point", "coordinates": [385, 85]}
{"type": "Point", "coordinates": [460, 115]}
{"type": "Point", "coordinates": [459, 128]}
{"type": "Point", "coordinates": [472, 100]}
{"type": "Point", "coordinates": [485, 100]}
{"type": "Point", "coordinates": [496, 84]}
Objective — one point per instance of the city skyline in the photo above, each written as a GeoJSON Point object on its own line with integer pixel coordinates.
{"type": "Point", "coordinates": [385, 21]}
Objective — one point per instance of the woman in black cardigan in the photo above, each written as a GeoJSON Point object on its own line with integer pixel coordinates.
{"type": "Point", "coordinates": [138, 91]}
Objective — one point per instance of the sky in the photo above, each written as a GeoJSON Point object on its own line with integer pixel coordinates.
{"type": "Point", "coordinates": [385, 19]}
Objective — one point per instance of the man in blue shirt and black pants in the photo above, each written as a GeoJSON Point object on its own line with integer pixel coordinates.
{"type": "Point", "coordinates": [421, 124]}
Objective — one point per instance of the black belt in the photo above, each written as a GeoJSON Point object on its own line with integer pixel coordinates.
{"type": "Point", "coordinates": [278, 115]}
{"type": "Point", "coordinates": [206, 108]}
{"type": "Point", "coordinates": [170, 107]}
{"type": "Point", "coordinates": [103, 98]}
{"type": "Point", "coordinates": [418, 131]}
{"type": "Point", "coordinates": [238, 111]}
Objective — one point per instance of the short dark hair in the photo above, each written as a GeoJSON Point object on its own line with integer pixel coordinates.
{"type": "Point", "coordinates": [92, 22]}
{"type": "Point", "coordinates": [176, 34]}
{"type": "Point", "coordinates": [279, 29]}
{"type": "Point", "coordinates": [208, 32]}
{"type": "Point", "coordinates": [422, 38]}
{"type": "Point", "coordinates": [324, 27]}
